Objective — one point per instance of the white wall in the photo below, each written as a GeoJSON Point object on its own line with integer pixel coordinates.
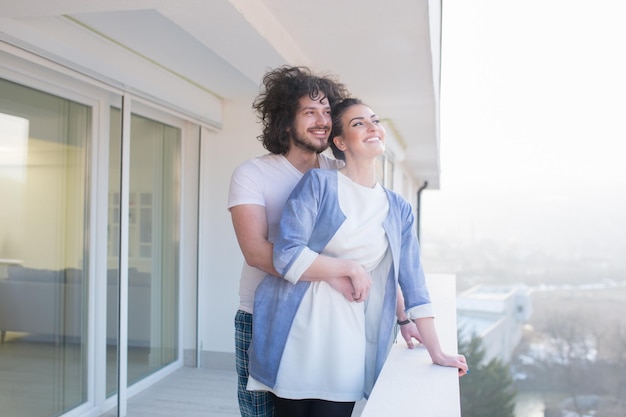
{"type": "Point", "coordinates": [220, 257]}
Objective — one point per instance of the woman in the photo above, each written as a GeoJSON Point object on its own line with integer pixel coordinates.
{"type": "Point", "coordinates": [317, 352]}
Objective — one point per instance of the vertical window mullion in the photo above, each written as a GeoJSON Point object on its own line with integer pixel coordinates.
{"type": "Point", "coordinates": [122, 346]}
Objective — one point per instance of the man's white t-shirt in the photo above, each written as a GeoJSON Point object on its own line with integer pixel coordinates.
{"type": "Point", "coordinates": [266, 181]}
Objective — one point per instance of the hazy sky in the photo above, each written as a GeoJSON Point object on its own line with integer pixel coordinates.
{"type": "Point", "coordinates": [533, 124]}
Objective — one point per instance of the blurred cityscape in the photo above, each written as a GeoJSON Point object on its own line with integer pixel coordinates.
{"type": "Point", "coordinates": [557, 318]}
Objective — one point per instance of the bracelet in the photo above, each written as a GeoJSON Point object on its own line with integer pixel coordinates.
{"type": "Point", "coordinates": [403, 322]}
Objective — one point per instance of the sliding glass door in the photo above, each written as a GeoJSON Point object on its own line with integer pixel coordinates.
{"type": "Point", "coordinates": [54, 302]}
{"type": "Point", "coordinates": [153, 245]}
{"type": "Point", "coordinates": [45, 143]}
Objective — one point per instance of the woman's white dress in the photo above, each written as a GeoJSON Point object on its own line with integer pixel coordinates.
{"type": "Point", "coordinates": [332, 339]}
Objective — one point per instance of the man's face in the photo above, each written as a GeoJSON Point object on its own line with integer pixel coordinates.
{"type": "Point", "coordinates": [311, 125]}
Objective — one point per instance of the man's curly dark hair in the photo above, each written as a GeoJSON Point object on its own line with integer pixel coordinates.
{"type": "Point", "coordinates": [277, 105]}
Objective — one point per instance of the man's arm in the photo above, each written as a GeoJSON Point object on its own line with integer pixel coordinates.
{"type": "Point", "coordinates": [251, 229]}
{"type": "Point", "coordinates": [250, 223]}
{"type": "Point", "coordinates": [335, 271]}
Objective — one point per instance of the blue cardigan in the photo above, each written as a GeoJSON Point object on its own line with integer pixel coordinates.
{"type": "Point", "coordinates": [310, 219]}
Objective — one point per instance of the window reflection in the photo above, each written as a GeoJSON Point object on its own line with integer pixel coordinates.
{"type": "Point", "coordinates": [43, 258]}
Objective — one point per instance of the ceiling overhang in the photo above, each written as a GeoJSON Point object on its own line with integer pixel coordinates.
{"type": "Point", "coordinates": [387, 55]}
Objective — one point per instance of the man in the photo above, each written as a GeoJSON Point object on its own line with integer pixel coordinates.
{"type": "Point", "coordinates": [294, 110]}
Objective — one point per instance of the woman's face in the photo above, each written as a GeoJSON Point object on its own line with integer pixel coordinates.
{"type": "Point", "coordinates": [363, 135]}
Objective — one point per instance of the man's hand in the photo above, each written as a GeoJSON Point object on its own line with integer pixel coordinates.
{"type": "Point", "coordinates": [361, 284]}
{"type": "Point", "coordinates": [343, 285]}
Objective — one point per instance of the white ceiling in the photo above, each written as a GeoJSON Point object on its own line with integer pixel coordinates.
{"type": "Point", "coordinates": [382, 52]}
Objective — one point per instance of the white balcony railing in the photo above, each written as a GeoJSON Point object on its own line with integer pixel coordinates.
{"type": "Point", "coordinates": [409, 384]}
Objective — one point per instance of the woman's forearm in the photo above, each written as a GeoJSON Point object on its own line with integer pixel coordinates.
{"type": "Point", "coordinates": [426, 327]}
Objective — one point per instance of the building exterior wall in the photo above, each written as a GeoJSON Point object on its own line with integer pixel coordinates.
{"type": "Point", "coordinates": [497, 315]}
{"type": "Point", "coordinates": [210, 259]}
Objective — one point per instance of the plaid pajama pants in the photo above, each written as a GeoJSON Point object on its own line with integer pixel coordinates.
{"type": "Point", "coordinates": [251, 403]}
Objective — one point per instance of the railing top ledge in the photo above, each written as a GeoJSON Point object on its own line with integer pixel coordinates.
{"type": "Point", "coordinates": [409, 384]}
